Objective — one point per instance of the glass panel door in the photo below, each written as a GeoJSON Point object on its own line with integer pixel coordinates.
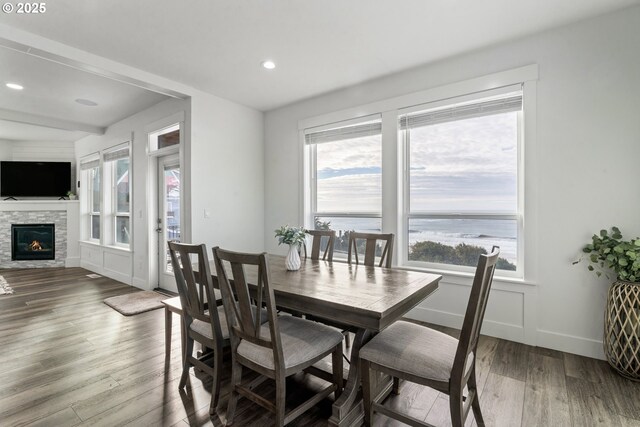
{"type": "Point", "coordinates": [169, 216]}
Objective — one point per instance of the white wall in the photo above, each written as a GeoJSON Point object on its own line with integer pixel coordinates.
{"type": "Point", "coordinates": [588, 146]}
{"type": "Point", "coordinates": [227, 174]}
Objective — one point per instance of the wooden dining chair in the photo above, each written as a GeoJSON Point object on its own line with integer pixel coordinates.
{"type": "Point", "coordinates": [281, 347]}
{"type": "Point", "coordinates": [318, 237]}
{"type": "Point", "coordinates": [203, 322]}
{"type": "Point", "coordinates": [371, 244]}
{"type": "Point", "coordinates": [424, 356]}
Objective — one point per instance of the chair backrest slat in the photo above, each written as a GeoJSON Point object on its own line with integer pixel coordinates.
{"type": "Point", "coordinates": [238, 294]}
{"type": "Point", "coordinates": [320, 236]}
{"type": "Point", "coordinates": [371, 244]}
{"type": "Point", "coordinates": [474, 314]}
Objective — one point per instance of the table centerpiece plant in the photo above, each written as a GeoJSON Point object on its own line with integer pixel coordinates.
{"type": "Point", "coordinates": [609, 253]}
{"type": "Point", "coordinates": [294, 237]}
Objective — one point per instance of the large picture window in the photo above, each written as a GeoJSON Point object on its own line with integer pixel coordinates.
{"type": "Point", "coordinates": [346, 179]}
{"type": "Point", "coordinates": [442, 169]}
{"type": "Point", "coordinates": [462, 172]}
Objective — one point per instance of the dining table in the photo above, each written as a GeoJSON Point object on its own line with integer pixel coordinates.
{"type": "Point", "coordinates": [361, 298]}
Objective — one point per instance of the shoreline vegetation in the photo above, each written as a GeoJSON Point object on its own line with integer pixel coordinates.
{"type": "Point", "coordinates": [428, 251]}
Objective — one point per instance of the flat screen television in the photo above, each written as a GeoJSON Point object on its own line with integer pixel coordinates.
{"type": "Point", "coordinates": [35, 179]}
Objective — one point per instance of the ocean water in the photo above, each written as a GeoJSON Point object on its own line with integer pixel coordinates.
{"type": "Point", "coordinates": [477, 232]}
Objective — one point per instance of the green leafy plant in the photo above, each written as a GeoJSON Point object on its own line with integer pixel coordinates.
{"type": "Point", "coordinates": [291, 235]}
{"type": "Point", "coordinates": [608, 252]}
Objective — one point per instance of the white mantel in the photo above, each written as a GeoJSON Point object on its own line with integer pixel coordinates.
{"type": "Point", "coordinates": [20, 211]}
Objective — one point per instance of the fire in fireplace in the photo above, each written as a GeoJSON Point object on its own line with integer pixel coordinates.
{"type": "Point", "coordinates": [33, 242]}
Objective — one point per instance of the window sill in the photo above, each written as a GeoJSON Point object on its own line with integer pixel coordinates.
{"type": "Point", "coordinates": [464, 278]}
{"type": "Point", "coordinates": [107, 247]}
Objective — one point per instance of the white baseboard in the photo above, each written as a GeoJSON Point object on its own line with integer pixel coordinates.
{"type": "Point", "coordinates": [96, 268]}
{"type": "Point", "coordinates": [547, 339]}
{"type": "Point", "coordinates": [571, 344]}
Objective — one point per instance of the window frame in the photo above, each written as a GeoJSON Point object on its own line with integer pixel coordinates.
{"type": "Point", "coordinates": [110, 215]}
{"type": "Point", "coordinates": [116, 213]}
{"type": "Point", "coordinates": [407, 214]}
{"type": "Point", "coordinates": [393, 174]}
{"type": "Point", "coordinates": [91, 212]}
{"type": "Point", "coordinates": [87, 165]}
{"type": "Point", "coordinates": [311, 212]}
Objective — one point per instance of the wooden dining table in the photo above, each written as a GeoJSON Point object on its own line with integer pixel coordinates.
{"type": "Point", "coordinates": [364, 299]}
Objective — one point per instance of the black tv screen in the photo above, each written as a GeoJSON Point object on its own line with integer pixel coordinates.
{"type": "Point", "coordinates": [35, 179]}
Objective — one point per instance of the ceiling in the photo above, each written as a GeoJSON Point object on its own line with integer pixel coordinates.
{"type": "Point", "coordinates": [46, 108]}
{"type": "Point", "coordinates": [318, 46]}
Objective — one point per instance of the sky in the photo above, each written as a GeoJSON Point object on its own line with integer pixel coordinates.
{"type": "Point", "coordinates": [463, 166]}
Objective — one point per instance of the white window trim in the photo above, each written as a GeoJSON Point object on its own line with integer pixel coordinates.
{"type": "Point", "coordinates": [393, 158]}
{"type": "Point", "coordinates": [403, 250]}
{"type": "Point", "coordinates": [311, 149]}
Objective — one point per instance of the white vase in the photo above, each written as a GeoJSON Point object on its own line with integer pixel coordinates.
{"type": "Point", "coordinates": [292, 262]}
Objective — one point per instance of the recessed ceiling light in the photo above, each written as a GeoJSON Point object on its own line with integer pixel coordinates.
{"type": "Point", "coordinates": [269, 65]}
{"type": "Point", "coordinates": [86, 102]}
{"type": "Point", "coordinates": [14, 86]}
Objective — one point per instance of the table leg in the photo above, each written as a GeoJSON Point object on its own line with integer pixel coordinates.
{"type": "Point", "coordinates": [167, 335]}
{"type": "Point", "coordinates": [348, 409]}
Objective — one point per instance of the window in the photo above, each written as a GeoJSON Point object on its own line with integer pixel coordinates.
{"type": "Point", "coordinates": [346, 179]}
{"type": "Point", "coordinates": [92, 191]}
{"type": "Point", "coordinates": [164, 138]}
{"type": "Point", "coordinates": [116, 164]}
{"type": "Point", "coordinates": [462, 172]}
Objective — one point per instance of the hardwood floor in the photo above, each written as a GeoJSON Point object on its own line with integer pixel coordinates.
{"type": "Point", "coordinates": [67, 360]}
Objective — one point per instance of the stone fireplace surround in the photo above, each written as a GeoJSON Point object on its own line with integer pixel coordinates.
{"type": "Point", "coordinates": [63, 213]}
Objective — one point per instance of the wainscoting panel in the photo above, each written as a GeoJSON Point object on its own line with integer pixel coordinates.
{"type": "Point", "coordinates": [110, 262]}
{"type": "Point", "coordinates": [508, 314]}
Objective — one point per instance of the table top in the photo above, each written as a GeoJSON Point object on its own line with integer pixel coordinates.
{"type": "Point", "coordinates": [354, 295]}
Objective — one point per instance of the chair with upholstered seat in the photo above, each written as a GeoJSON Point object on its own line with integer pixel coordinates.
{"type": "Point", "coordinates": [204, 322]}
{"type": "Point", "coordinates": [281, 347]}
{"type": "Point", "coordinates": [320, 236]}
{"type": "Point", "coordinates": [371, 244]}
{"type": "Point", "coordinates": [424, 356]}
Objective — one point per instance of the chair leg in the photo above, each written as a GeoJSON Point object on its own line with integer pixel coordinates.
{"type": "Point", "coordinates": [367, 378]}
{"type": "Point", "coordinates": [188, 353]}
{"type": "Point", "coordinates": [455, 406]}
{"type": "Point", "coordinates": [396, 386]}
{"type": "Point", "coordinates": [236, 377]}
{"type": "Point", "coordinates": [336, 364]}
{"type": "Point", "coordinates": [281, 394]}
{"type": "Point", "coordinates": [217, 375]}
{"type": "Point", "coordinates": [475, 404]}
{"type": "Point", "coordinates": [347, 339]}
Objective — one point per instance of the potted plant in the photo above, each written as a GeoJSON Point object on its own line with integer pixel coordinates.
{"type": "Point", "coordinates": [294, 237]}
{"type": "Point", "coordinates": [609, 253]}
{"type": "Point", "coordinates": [71, 195]}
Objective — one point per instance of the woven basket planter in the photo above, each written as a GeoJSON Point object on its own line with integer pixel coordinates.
{"type": "Point", "coordinates": [622, 329]}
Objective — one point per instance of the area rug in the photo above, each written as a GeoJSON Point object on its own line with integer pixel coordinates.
{"type": "Point", "coordinates": [5, 289]}
{"type": "Point", "coordinates": [136, 303]}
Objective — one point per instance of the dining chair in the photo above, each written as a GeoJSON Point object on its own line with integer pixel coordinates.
{"type": "Point", "coordinates": [371, 244]}
{"type": "Point", "coordinates": [283, 346]}
{"type": "Point", "coordinates": [428, 357]}
{"type": "Point", "coordinates": [204, 322]}
{"type": "Point", "coordinates": [318, 236]}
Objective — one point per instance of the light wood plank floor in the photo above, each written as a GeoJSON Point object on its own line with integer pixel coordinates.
{"type": "Point", "coordinates": [67, 359]}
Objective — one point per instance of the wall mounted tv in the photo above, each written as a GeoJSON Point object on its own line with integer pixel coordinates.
{"type": "Point", "coordinates": [35, 179]}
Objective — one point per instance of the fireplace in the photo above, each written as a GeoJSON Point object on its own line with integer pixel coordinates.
{"type": "Point", "coordinates": [33, 242]}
